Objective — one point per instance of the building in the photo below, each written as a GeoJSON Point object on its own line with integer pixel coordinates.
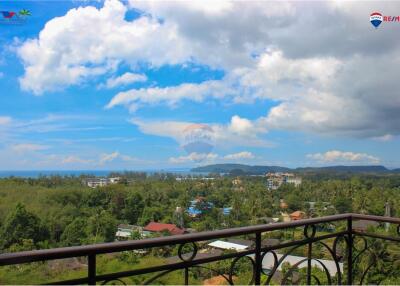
{"type": "Point", "coordinates": [275, 180]}
{"type": "Point", "coordinates": [126, 231]}
{"type": "Point", "coordinates": [297, 215]}
{"type": "Point", "coordinates": [114, 180]}
{"type": "Point", "coordinates": [228, 245]}
{"type": "Point", "coordinates": [97, 182]}
{"type": "Point", "coordinates": [158, 227]}
{"type": "Point", "coordinates": [237, 182]}
{"type": "Point", "coordinates": [194, 211]}
{"type": "Point", "coordinates": [101, 182]}
{"type": "Point", "coordinates": [226, 211]}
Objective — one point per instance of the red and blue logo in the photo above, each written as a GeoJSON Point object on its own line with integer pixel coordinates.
{"type": "Point", "coordinates": [11, 17]}
{"type": "Point", "coordinates": [376, 19]}
{"type": "Point", "coordinates": [7, 14]}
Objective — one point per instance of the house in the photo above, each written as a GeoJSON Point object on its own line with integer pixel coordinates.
{"type": "Point", "coordinates": [363, 225]}
{"type": "Point", "coordinates": [194, 211]}
{"type": "Point", "coordinates": [297, 215]}
{"type": "Point", "coordinates": [162, 227]}
{"type": "Point", "coordinates": [226, 211]}
{"type": "Point", "coordinates": [125, 231]}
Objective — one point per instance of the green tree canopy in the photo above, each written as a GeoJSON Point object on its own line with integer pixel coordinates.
{"type": "Point", "coordinates": [20, 225]}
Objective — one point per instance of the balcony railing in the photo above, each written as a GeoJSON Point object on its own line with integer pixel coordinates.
{"type": "Point", "coordinates": [344, 248]}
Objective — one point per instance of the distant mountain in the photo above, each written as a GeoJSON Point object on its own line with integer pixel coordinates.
{"type": "Point", "coordinates": [246, 169]}
{"type": "Point", "coordinates": [345, 169]}
{"type": "Point", "coordinates": [228, 168]}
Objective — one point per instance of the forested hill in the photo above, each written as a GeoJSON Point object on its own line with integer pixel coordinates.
{"type": "Point", "coordinates": [237, 168]}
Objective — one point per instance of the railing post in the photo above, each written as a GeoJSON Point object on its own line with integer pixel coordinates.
{"type": "Point", "coordinates": [186, 276]}
{"type": "Point", "coordinates": [257, 277]}
{"type": "Point", "coordinates": [350, 251]}
{"type": "Point", "coordinates": [309, 266]}
{"type": "Point", "coordinates": [92, 269]}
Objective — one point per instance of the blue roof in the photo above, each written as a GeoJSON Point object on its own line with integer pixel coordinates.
{"type": "Point", "coordinates": [193, 211]}
{"type": "Point", "coordinates": [226, 211]}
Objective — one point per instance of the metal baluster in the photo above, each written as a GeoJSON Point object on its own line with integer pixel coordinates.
{"type": "Point", "coordinates": [350, 251]}
{"type": "Point", "coordinates": [186, 276]}
{"type": "Point", "coordinates": [92, 269]}
{"type": "Point", "coordinates": [309, 253]}
{"type": "Point", "coordinates": [257, 277]}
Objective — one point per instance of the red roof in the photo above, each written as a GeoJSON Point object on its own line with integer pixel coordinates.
{"type": "Point", "coordinates": [159, 227]}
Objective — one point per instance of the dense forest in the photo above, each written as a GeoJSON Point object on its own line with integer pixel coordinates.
{"type": "Point", "coordinates": [62, 211]}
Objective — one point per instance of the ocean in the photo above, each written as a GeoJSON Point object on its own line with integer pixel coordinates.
{"type": "Point", "coordinates": [94, 173]}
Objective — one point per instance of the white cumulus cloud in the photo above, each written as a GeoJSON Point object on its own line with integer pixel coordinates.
{"type": "Point", "coordinates": [125, 79]}
{"type": "Point", "coordinates": [343, 157]}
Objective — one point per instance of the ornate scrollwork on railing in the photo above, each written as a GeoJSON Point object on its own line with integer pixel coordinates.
{"type": "Point", "coordinates": [313, 231]}
{"type": "Point", "coordinates": [235, 261]}
{"type": "Point", "coordinates": [181, 255]}
{"type": "Point", "coordinates": [193, 252]}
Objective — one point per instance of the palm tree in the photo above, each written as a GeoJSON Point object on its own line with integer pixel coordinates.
{"type": "Point", "coordinates": [25, 12]}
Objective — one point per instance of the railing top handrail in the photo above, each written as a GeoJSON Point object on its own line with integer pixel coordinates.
{"type": "Point", "coordinates": [101, 248]}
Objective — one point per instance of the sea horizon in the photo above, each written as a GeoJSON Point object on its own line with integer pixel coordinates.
{"type": "Point", "coordinates": [95, 173]}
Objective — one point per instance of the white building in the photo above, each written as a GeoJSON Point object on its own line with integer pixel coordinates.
{"type": "Point", "coordinates": [275, 180]}
{"type": "Point", "coordinates": [101, 182]}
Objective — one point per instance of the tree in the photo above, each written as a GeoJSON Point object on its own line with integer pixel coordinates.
{"type": "Point", "coordinates": [134, 206]}
{"type": "Point", "coordinates": [343, 204]}
{"type": "Point", "coordinates": [22, 225]}
{"type": "Point", "coordinates": [75, 232]}
{"type": "Point", "coordinates": [102, 227]}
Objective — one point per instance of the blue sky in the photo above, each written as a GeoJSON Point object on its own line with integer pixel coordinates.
{"type": "Point", "coordinates": [128, 85]}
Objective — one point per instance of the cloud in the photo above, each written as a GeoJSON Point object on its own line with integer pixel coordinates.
{"type": "Point", "coordinates": [208, 158]}
{"type": "Point", "coordinates": [343, 157]}
{"type": "Point", "coordinates": [28, 147]}
{"type": "Point", "coordinates": [125, 79]}
{"type": "Point", "coordinates": [110, 157]}
{"type": "Point", "coordinates": [105, 158]}
{"type": "Point", "coordinates": [5, 120]}
{"type": "Point", "coordinates": [88, 42]}
{"type": "Point", "coordinates": [238, 132]}
{"type": "Point", "coordinates": [75, 159]}
{"type": "Point", "coordinates": [239, 156]}
{"type": "Point", "coordinates": [194, 157]}
{"type": "Point", "coordinates": [269, 51]}
{"type": "Point", "coordinates": [171, 95]}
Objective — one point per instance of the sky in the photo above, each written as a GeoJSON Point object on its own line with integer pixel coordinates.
{"type": "Point", "coordinates": [144, 85]}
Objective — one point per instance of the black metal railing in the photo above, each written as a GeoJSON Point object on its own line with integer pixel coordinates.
{"type": "Point", "coordinates": [340, 245]}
